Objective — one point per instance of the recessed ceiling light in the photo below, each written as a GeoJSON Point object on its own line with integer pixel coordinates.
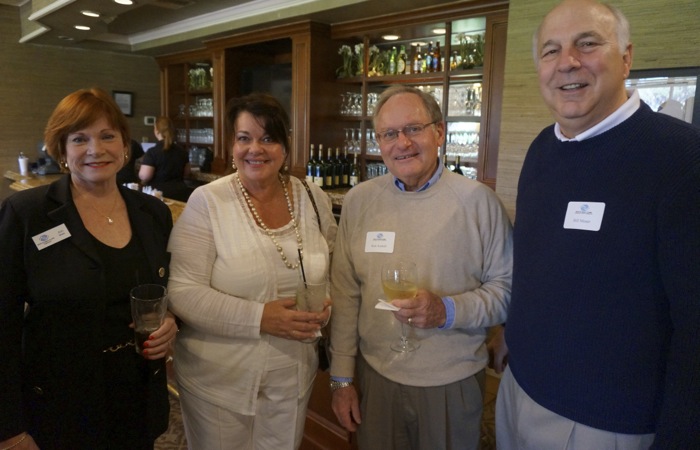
{"type": "Point", "coordinates": [390, 37]}
{"type": "Point", "coordinates": [439, 31]}
{"type": "Point", "coordinates": [124, 2]}
{"type": "Point", "coordinates": [417, 43]}
{"type": "Point", "coordinates": [82, 28]}
{"type": "Point", "coordinates": [89, 13]}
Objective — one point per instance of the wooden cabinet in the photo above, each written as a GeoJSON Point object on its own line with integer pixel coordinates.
{"type": "Point", "coordinates": [187, 84]}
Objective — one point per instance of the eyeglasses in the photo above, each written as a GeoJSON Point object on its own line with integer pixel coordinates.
{"type": "Point", "coordinates": [409, 131]}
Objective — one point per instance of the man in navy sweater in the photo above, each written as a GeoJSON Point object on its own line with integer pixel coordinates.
{"type": "Point", "coordinates": [603, 326]}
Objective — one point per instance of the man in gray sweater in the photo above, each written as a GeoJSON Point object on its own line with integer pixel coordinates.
{"type": "Point", "coordinates": [458, 234]}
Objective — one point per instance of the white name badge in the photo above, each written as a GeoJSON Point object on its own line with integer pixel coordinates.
{"type": "Point", "coordinates": [584, 216]}
{"type": "Point", "coordinates": [50, 237]}
{"type": "Point", "coordinates": [380, 242]}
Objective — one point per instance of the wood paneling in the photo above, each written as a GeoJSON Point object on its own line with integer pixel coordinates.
{"type": "Point", "coordinates": [663, 34]}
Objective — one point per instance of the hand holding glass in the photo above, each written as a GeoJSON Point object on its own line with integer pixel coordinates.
{"type": "Point", "coordinates": [149, 303]}
{"type": "Point", "coordinates": [311, 296]}
{"type": "Point", "coordinates": [399, 281]}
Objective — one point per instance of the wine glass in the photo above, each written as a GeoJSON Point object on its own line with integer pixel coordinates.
{"type": "Point", "coordinates": [399, 281]}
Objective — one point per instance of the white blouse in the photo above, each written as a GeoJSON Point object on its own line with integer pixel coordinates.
{"type": "Point", "coordinates": [224, 268]}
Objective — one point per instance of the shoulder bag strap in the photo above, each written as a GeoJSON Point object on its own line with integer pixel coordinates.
{"type": "Point", "coordinates": [313, 202]}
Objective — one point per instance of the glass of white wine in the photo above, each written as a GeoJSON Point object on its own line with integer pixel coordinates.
{"type": "Point", "coordinates": [399, 281]}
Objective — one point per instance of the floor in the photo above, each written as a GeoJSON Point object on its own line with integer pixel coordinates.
{"type": "Point", "coordinates": [174, 438]}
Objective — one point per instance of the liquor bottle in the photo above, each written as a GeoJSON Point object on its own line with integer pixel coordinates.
{"type": "Point", "coordinates": [444, 161]}
{"type": "Point", "coordinates": [311, 166]}
{"type": "Point", "coordinates": [417, 61]}
{"type": "Point", "coordinates": [437, 64]}
{"type": "Point", "coordinates": [347, 167]}
{"type": "Point", "coordinates": [457, 168]}
{"type": "Point", "coordinates": [320, 174]}
{"type": "Point", "coordinates": [328, 180]}
{"type": "Point", "coordinates": [401, 63]}
{"type": "Point", "coordinates": [354, 172]}
{"type": "Point", "coordinates": [337, 169]}
{"type": "Point", "coordinates": [392, 61]}
{"type": "Point", "coordinates": [429, 56]}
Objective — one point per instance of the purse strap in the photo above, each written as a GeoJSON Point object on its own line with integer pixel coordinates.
{"type": "Point", "coordinates": [313, 202]}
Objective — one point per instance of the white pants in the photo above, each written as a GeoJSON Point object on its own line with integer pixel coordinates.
{"type": "Point", "coordinates": [278, 422]}
{"type": "Point", "coordinates": [522, 424]}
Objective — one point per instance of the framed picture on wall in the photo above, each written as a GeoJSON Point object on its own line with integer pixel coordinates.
{"type": "Point", "coordinates": [125, 101]}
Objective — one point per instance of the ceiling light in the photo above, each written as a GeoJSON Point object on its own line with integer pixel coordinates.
{"type": "Point", "coordinates": [89, 13]}
{"type": "Point", "coordinates": [390, 37]}
{"type": "Point", "coordinates": [124, 2]}
{"type": "Point", "coordinates": [439, 31]}
{"type": "Point", "coordinates": [82, 28]}
{"type": "Point", "coordinates": [416, 44]}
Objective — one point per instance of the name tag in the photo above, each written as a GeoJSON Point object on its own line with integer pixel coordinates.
{"type": "Point", "coordinates": [50, 237]}
{"type": "Point", "coordinates": [584, 216]}
{"type": "Point", "coordinates": [380, 242]}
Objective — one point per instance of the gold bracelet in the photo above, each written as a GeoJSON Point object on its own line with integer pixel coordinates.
{"type": "Point", "coordinates": [16, 443]}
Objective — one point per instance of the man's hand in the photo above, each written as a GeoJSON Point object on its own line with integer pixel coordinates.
{"type": "Point", "coordinates": [498, 349]}
{"type": "Point", "coordinates": [426, 310]}
{"type": "Point", "coordinates": [346, 407]}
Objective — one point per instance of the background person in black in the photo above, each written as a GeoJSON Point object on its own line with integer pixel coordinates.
{"type": "Point", "coordinates": [128, 174]}
{"type": "Point", "coordinates": [166, 165]}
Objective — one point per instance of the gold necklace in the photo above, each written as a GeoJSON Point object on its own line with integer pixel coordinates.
{"type": "Point", "coordinates": [285, 260]}
{"type": "Point", "coordinates": [106, 216]}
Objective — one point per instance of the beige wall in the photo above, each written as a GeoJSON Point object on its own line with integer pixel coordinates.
{"type": "Point", "coordinates": [664, 34]}
{"type": "Point", "coordinates": [33, 79]}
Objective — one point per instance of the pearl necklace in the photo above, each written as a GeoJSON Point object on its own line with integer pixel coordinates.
{"type": "Point", "coordinates": [267, 230]}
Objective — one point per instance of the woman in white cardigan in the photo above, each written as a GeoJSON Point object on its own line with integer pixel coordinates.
{"type": "Point", "coordinates": [244, 374]}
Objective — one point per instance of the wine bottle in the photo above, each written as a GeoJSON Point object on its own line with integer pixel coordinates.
{"type": "Point", "coordinates": [347, 167]}
{"type": "Point", "coordinates": [328, 180]}
{"type": "Point", "coordinates": [320, 174]}
{"type": "Point", "coordinates": [311, 166]}
{"type": "Point", "coordinates": [354, 172]}
{"type": "Point", "coordinates": [457, 168]}
{"type": "Point", "coordinates": [337, 169]}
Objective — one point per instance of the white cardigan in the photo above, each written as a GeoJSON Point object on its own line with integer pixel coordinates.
{"type": "Point", "coordinates": [224, 268]}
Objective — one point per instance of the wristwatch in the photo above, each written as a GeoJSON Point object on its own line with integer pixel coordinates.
{"type": "Point", "coordinates": [335, 385]}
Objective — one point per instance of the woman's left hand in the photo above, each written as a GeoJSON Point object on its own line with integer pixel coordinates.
{"type": "Point", "coordinates": [160, 341]}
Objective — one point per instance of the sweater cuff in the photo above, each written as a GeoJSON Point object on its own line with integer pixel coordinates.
{"type": "Point", "coordinates": [449, 303]}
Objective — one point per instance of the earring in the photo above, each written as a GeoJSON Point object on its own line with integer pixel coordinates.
{"type": "Point", "coordinates": [233, 165]}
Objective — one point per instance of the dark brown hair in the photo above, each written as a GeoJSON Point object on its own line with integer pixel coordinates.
{"type": "Point", "coordinates": [269, 113]}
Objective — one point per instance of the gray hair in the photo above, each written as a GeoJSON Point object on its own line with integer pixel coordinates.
{"type": "Point", "coordinates": [429, 102]}
{"type": "Point", "coordinates": [622, 30]}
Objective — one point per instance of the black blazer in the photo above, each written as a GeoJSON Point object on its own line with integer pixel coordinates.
{"type": "Point", "coordinates": [52, 359]}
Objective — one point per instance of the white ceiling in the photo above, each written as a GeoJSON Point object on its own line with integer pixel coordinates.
{"type": "Point", "coordinates": [159, 27]}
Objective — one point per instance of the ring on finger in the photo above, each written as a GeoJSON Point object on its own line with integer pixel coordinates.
{"type": "Point", "coordinates": [410, 321]}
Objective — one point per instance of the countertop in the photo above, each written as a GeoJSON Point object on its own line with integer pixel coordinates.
{"type": "Point", "coordinates": [22, 182]}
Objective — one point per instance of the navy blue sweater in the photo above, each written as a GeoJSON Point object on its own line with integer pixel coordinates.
{"type": "Point", "coordinates": [603, 326]}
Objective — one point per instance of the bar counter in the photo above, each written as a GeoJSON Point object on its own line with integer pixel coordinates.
{"type": "Point", "coordinates": [22, 182]}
